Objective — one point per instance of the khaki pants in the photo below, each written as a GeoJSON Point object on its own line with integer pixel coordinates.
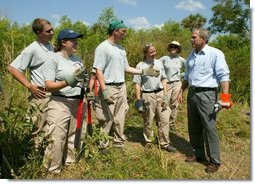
{"type": "Point", "coordinates": [37, 114]}
{"type": "Point", "coordinates": [173, 89]}
{"type": "Point", "coordinates": [153, 109]}
{"type": "Point", "coordinates": [61, 126]}
{"type": "Point", "coordinates": [112, 117]}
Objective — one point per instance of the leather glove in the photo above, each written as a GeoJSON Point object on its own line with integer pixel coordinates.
{"type": "Point", "coordinates": [90, 96]}
{"type": "Point", "coordinates": [139, 105]}
{"type": "Point", "coordinates": [150, 71]}
{"type": "Point", "coordinates": [165, 102]}
{"type": "Point", "coordinates": [77, 76]}
{"type": "Point", "coordinates": [108, 97]}
{"type": "Point", "coordinates": [225, 100]}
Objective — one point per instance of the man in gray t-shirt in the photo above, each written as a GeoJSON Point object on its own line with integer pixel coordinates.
{"type": "Point", "coordinates": [32, 58]}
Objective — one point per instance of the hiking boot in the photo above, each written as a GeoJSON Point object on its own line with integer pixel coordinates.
{"type": "Point", "coordinates": [211, 168]}
{"type": "Point", "coordinates": [197, 159]}
{"type": "Point", "coordinates": [170, 148]}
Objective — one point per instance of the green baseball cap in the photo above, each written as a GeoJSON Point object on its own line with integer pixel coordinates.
{"type": "Point", "coordinates": [116, 24]}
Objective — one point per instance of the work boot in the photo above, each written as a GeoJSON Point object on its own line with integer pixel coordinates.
{"type": "Point", "coordinates": [170, 148]}
{"type": "Point", "coordinates": [192, 159]}
{"type": "Point", "coordinates": [211, 168]}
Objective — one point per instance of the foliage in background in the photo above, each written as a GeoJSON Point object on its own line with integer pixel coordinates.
{"type": "Point", "coordinates": [231, 16]}
{"type": "Point", "coordinates": [15, 131]}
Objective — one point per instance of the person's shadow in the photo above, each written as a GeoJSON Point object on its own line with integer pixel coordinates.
{"type": "Point", "coordinates": [135, 134]}
{"type": "Point", "coordinates": [181, 144]}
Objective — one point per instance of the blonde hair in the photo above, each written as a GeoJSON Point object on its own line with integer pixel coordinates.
{"type": "Point", "coordinates": [145, 50]}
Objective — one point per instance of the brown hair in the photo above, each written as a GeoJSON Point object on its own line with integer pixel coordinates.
{"type": "Point", "coordinates": [38, 24]}
{"type": "Point", "coordinates": [145, 50]}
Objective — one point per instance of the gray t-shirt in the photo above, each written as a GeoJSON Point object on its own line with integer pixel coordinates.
{"type": "Point", "coordinates": [32, 58]}
{"type": "Point", "coordinates": [58, 68]}
{"type": "Point", "coordinates": [173, 67]}
{"type": "Point", "coordinates": [112, 60]}
{"type": "Point", "coordinates": [149, 83]}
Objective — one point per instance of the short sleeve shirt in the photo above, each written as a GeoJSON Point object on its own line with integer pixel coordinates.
{"type": "Point", "coordinates": [111, 59]}
{"type": "Point", "coordinates": [58, 68]}
{"type": "Point", "coordinates": [173, 65]}
{"type": "Point", "coordinates": [32, 58]}
{"type": "Point", "coordinates": [149, 83]}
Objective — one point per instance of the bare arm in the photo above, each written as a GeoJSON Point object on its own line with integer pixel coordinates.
{"type": "Point", "coordinates": [164, 82]}
{"type": "Point", "coordinates": [92, 81]}
{"type": "Point", "coordinates": [225, 86]}
{"type": "Point", "coordinates": [133, 71]}
{"type": "Point", "coordinates": [180, 97]}
{"type": "Point", "coordinates": [100, 78]}
{"type": "Point", "coordinates": [55, 86]}
{"type": "Point", "coordinates": [19, 76]}
{"type": "Point", "coordinates": [138, 91]}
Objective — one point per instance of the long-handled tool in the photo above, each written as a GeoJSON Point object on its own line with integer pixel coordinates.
{"type": "Point", "coordinates": [89, 127]}
{"type": "Point", "coordinates": [77, 140]}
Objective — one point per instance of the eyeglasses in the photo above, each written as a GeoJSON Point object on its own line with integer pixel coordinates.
{"type": "Point", "coordinates": [49, 30]}
{"type": "Point", "coordinates": [174, 47]}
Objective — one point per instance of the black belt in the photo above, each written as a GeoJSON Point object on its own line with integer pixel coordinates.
{"type": "Point", "coordinates": [114, 83]}
{"type": "Point", "coordinates": [73, 97]}
{"type": "Point", "coordinates": [155, 91]}
{"type": "Point", "coordinates": [201, 89]}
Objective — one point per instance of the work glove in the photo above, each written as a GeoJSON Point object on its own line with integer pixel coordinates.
{"type": "Point", "coordinates": [217, 107]}
{"type": "Point", "coordinates": [90, 96]}
{"type": "Point", "coordinates": [150, 71]}
{"type": "Point", "coordinates": [77, 76]}
{"type": "Point", "coordinates": [165, 102]}
{"type": "Point", "coordinates": [139, 105]}
{"type": "Point", "coordinates": [225, 100]}
{"type": "Point", "coordinates": [108, 97]}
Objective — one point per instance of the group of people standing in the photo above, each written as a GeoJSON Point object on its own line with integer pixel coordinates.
{"type": "Point", "coordinates": [57, 87]}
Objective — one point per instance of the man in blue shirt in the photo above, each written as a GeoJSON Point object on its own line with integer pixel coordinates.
{"type": "Point", "coordinates": [205, 70]}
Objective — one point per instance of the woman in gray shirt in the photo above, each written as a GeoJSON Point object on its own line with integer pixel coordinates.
{"type": "Point", "coordinates": [173, 63]}
{"type": "Point", "coordinates": [63, 76]}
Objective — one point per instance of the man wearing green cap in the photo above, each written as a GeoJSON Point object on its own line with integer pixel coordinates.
{"type": "Point", "coordinates": [111, 63]}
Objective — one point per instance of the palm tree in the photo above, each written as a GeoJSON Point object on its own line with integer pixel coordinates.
{"type": "Point", "coordinates": [193, 21]}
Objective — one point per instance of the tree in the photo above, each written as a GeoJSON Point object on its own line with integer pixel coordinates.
{"type": "Point", "coordinates": [106, 17]}
{"type": "Point", "coordinates": [193, 21]}
{"type": "Point", "coordinates": [231, 16]}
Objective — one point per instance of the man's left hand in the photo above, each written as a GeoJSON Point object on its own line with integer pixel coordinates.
{"type": "Point", "coordinates": [225, 100]}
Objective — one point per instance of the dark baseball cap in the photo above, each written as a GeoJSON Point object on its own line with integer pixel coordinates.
{"type": "Point", "coordinates": [68, 34]}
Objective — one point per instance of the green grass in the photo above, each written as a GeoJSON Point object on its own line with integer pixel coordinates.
{"type": "Point", "coordinates": [136, 161]}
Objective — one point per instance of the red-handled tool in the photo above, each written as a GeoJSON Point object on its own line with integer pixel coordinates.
{"type": "Point", "coordinates": [77, 140]}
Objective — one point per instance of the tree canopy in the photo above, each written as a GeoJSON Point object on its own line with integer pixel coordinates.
{"type": "Point", "coordinates": [231, 16]}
